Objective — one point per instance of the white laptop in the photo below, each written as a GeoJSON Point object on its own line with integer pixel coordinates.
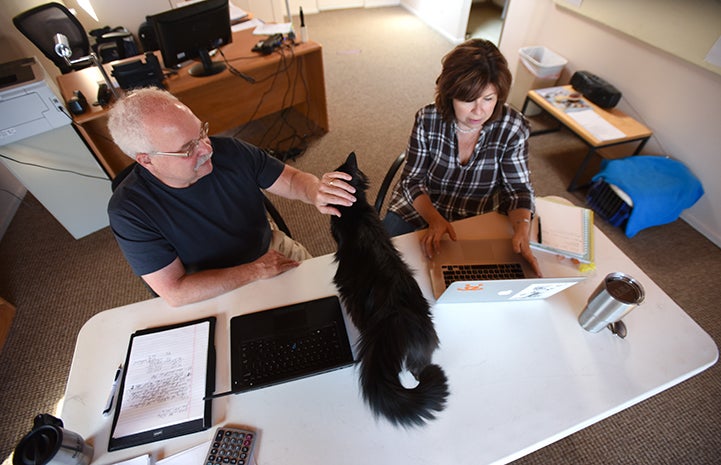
{"type": "Point", "coordinates": [488, 270]}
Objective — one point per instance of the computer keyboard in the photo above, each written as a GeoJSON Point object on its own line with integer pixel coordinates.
{"type": "Point", "coordinates": [267, 361]}
{"type": "Point", "coordinates": [452, 273]}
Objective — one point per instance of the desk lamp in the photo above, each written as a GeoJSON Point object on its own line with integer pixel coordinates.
{"type": "Point", "coordinates": [62, 48]}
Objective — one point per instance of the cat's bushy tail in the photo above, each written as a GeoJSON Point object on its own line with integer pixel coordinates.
{"type": "Point", "coordinates": [381, 353]}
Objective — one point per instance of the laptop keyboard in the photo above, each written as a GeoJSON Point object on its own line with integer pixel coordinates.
{"type": "Point", "coordinates": [453, 273]}
{"type": "Point", "coordinates": [266, 361]}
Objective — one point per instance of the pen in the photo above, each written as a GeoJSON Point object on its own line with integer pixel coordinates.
{"type": "Point", "coordinates": [540, 237]}
{"type": "Point", "coordinates": [302, 18]}
{"type": "Point", "coordinates": [113, 390]}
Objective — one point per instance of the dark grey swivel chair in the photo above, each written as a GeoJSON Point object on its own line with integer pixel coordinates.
{"type": "Point", "coordinates": [40, 24]}
{"type": "Point", "coordinates": [386, 184]}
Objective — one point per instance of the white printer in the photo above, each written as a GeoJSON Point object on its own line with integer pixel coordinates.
{"type": "Point", "coordinates": [28, 106]}
{"type": "Point", "coordinates": [41, 148]}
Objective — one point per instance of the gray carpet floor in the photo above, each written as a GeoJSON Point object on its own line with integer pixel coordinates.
{"type": "Point", "coordinates": [380, 67]}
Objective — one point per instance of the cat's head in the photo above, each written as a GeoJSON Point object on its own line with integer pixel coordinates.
{"type": "Point", "coordinates": [360, 180]}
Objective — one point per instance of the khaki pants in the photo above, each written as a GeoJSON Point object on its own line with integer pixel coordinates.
{"type": "Point", "coordinates": [288, 247]}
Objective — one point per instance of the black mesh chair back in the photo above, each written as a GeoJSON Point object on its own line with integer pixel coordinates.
{"type": "Point", "coordinates": [40, 24]}
{"type": "Point", "coordinates": [386, 184]}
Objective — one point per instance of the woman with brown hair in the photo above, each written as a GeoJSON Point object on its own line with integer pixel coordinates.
{"type": "Point", "coordinates": [467, 153]}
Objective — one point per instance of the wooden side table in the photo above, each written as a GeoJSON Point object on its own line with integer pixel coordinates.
{"type": "Point", "coordinates": [632, 130]}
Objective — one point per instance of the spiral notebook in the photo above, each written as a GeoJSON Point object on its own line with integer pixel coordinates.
{"type": "Point", "coordinates": [562, 228]}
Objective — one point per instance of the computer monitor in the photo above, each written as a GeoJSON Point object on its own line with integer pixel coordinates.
{"type": "Point", "coordinates": [191, 32]}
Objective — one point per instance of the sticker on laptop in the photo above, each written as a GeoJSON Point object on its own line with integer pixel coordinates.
{"type": "Point", "coordinates": [541, 290]}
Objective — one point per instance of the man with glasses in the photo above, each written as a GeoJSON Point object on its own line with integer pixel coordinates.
{"type": "Point", "coordinates": [190, 217]}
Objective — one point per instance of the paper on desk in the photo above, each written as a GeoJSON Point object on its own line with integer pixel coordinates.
{"type": "Point", "coordinates": [142, 460]}
{"type": "Point", "coordinates": [165, 380]}
{"type": "Point", "coordinates": [250, 24]}
{"type": "Point", "coordinates": [597, 126]}
{"type": "Point", "coordinates": [274, 28]}
{"type": "Point", "coordinates": [236, 13]}
{"type": "Point", "coordinates": [194, 455]}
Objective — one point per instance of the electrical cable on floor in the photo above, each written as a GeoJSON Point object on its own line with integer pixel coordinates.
{"type": "Point", "coordinates": [299, 142]}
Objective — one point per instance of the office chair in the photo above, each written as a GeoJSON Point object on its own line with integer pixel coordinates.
{"type": "Point", "coordinates": [40, 24]}
{"type": "Point", "coordinates": [397, 163]}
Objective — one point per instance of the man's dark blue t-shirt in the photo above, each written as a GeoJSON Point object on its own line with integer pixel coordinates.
{"type": "Point", "coordinates": [218, 222]}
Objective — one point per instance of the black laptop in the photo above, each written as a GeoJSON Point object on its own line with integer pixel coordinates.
{"type": "Point", "coordinates": [287, 343]}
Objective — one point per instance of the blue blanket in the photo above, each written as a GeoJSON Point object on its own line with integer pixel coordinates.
{"type": "Point", "coordinates": [661, 188]}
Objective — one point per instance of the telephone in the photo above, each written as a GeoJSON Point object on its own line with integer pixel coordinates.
{"type": "Point", "coordinates": [267, 46]}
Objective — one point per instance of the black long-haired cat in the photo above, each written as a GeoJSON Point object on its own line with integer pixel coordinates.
{"type": "Point", "coordinates": [387, 306]}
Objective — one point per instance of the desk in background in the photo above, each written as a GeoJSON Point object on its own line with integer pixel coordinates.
{"type": "Point", "coordinates": [632, 129]}
{"type": "Point", "coordinates": [521, 375]}
{"type": "Point", "coordinates": [224, 100]}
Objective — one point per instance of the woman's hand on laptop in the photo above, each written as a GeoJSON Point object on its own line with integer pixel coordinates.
{"type": "Point", "coordinates": [522, 245]}
{"type": "Point", "coordinates": [431, 240]}
{"type": "Point", "coordinates": [521, 220]}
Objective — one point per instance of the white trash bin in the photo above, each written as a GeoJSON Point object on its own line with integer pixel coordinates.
{"type": "Point", "coordinates": [538, 67]}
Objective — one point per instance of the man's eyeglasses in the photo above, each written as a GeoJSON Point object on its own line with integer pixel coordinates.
{"type": "Point", "coordinates": [192, 145]}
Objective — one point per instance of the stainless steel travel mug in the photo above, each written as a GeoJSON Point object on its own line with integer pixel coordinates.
{"type": "Point", "coordinates": [50, 444]}
{"type": "Point", "coordinates": [617, 295]}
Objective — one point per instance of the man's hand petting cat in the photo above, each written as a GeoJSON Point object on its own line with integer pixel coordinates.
{"type": "Point", "coordinates": [334, 189]}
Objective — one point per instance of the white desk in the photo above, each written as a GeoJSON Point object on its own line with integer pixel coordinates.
{"type": "Point", "coordinates": [521, 375]}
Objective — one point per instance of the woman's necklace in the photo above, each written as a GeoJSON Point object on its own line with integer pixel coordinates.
{"type": "Point", "coordinates": [464, 131]}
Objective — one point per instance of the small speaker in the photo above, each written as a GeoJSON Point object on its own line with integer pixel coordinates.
{"type": "Point", "coordinates": [595, 89]}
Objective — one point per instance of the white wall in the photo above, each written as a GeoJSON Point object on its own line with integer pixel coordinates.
{"type": "Point", "coordinates": [447, 17]}
{"type": "Point", "coordinates": [679, 101]}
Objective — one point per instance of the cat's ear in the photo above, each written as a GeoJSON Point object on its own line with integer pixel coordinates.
{"type": "Point", "coordinates": [351, 161]}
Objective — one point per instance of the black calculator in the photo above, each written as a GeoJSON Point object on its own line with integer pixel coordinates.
{"type": "Point", "coordinates": [231, 445]}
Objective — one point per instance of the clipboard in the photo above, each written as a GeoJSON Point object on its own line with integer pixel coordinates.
{"type": "Point", "coordinates": [168, 373]}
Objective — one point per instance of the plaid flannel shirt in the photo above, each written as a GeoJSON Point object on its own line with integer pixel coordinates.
{"type": "Point", "coordinates": [496, 178]}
